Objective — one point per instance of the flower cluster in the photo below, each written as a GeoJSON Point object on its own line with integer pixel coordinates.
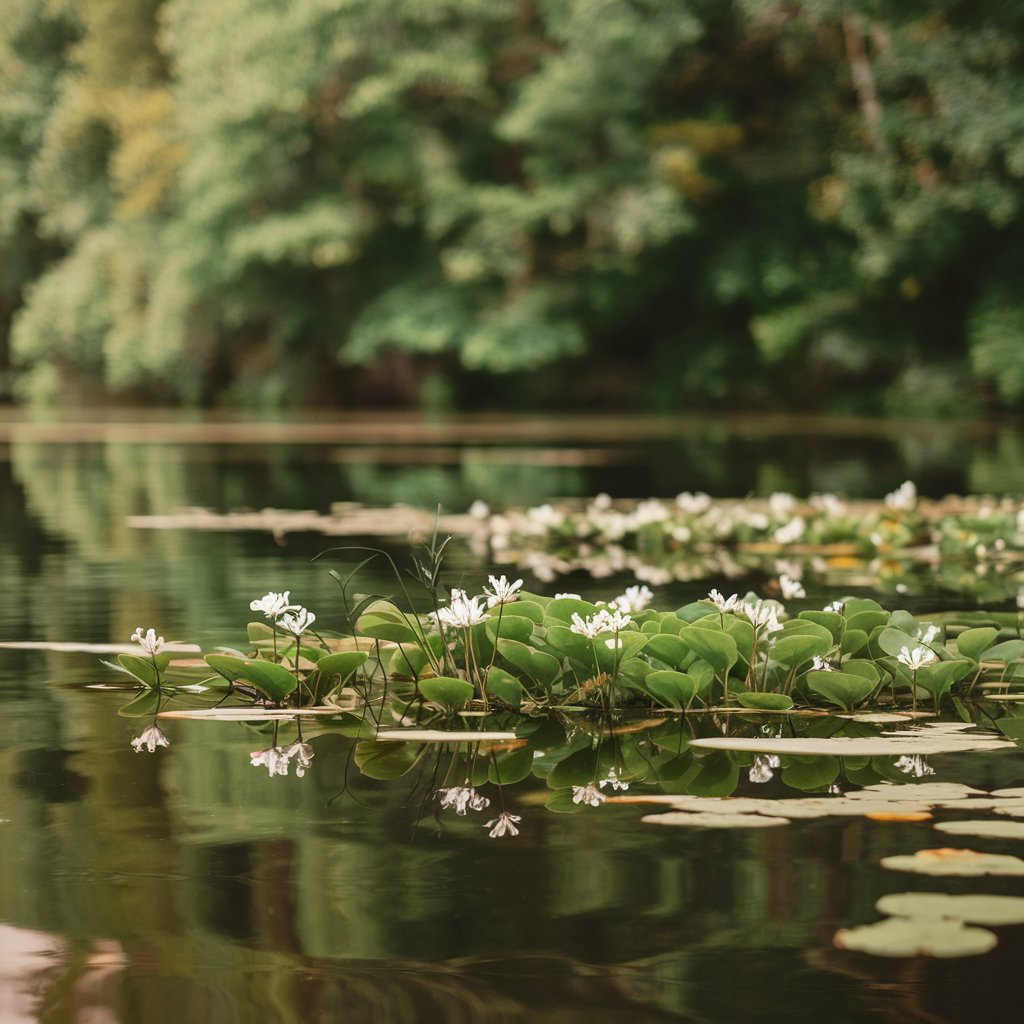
{"type": "Point", "coordinates": [278, 759]}
{"type": "Point", "coordinates": [149, 641]}
{"type": "Point", "coordinates": [292, 618]}
{"type": "Point", "coordinates": [503, 825]}
{"type": "Point", "coordinates": [462, 798]}
{"type": "Point", "coordinates": [916, 658]}
{"type": "Point", "coordinates": [462, 611]}
{"type": "Point", "coordinates": [604, 621]}
{"type": "Point", "coordinates": [150, 739]}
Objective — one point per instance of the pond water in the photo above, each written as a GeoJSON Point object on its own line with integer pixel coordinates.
{"type": "Point", "coordinates": [189, 885]}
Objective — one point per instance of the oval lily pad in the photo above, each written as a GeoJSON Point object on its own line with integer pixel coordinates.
{"type": "Point", "coordinates": [989, 829]}
{"type": "Point", "coordinates": [845, 746]}
{"type": "Point", "coordinates": [973, 908]}
{"type": "Point", "coordinates": [948, 861]}
{"type": "Point", "coordinates": [908, 936]}
{"type": "Point", "coordinates": [687, 819]}
{"type": "Point", "coordinates": [440, 736]}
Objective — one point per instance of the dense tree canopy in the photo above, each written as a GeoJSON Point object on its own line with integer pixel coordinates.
{"type": "Point", "coordinates": [812, 204]}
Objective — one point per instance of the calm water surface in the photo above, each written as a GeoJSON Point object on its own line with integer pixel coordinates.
{"type": "Point", "coordinates": [189, 886]}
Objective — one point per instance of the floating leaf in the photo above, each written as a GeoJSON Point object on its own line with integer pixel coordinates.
{"type": "Point", "coordinates": [450, 693]}
{"type": "Point", "coordinates": [698, 819]}
{"type": "Point", "coordinates": [974, 908]}
{"type": "Point", "coordinates": [947, 861]}
{"type": "Point", "coordinates": [764, 701]}
{"type": "Point", "coordinates": [989, 829]}
{"type": "Point", "coordinates": [266, 676]}
{"type": "Point", "coordinates": [906, 937]}
{"type": "Point", "coordinates": [440, 736]}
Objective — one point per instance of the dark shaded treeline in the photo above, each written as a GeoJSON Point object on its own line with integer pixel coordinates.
{"type": "Point", "coordinates": [657, 203]}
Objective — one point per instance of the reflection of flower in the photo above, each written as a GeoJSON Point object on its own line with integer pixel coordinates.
{"type": "Point", "coordinates": [613, 780]}
{"type": "Point", "coordinates": [914, 765]}
{"type": "Point", "coordinates": [150, 739]}
{"type": "Point", "coordinates": [588, 794]}
{"type": "Point", "coordinates": [763, 768]}
{"type": "Point", "coordinates": [503, 825]}
{"type": "Point", "coordinates": [298, 622]}
{"type": "Point", "coordinates": [916, 658]}
{"type": "Point", "coordinates": [502, 591]}
{"type": "Point", "coordinates": [149, 641]}
{"type": "Point", "coordinates": [463, 611]}
{"type": "Point", "coordinates": [462, 798]}
{"type": "Point", "coordinates": [277, 759]}
{"type": "Point", "coordinates": [273, 605]}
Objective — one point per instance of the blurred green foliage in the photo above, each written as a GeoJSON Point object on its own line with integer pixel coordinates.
{"type": "Point", "coordinates": [809, 204]}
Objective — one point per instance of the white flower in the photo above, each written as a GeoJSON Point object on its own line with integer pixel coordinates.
{"type": "Point", "coordinates": [503, 825]}
{"type": "Point", "coordinates": [149, 641]}
{"type": "Point", "coordinates": [903, 498]}
{"type": "Point", "coordinates": [694, 504]}
{"type": "Point", "coordinates": [781, 504]}
{"type": "Point", "coordinates": [274, 759]}
{"type": "Point", "coordinates": [603, 622]}
{"type": "Point", "coordinates": [602, 502]}
{"type": "Point", "coordinates": [274, 605]}
{"type": "Point", "coordinates": [151, 738]}
{"type": "Point", "coordinates": [914, 765]}
{"type": "Point", "coordinates": [916, 658]}
{"type": "Point", "coordinates": [791, 532]}
{"type": "Point", "coordinates": [463, 611]}
{"type": "Point", "coordinates": [634, 600]}
{"type": "Point", "coordinates": [613, 780]}
{"type": "Point", "coordinates": [762, 615]}
{"type": "Point", "coordinates": [588, 794]}
{"type": "Point", "coordinates": [791, 588]}
{"type": "Point", "coordinates": [462, 798]}
{"type": "Point", "coordinates": [502, 591]}
{"type": "Point", "coordinates": [297, 623]}
{"type": "Point", "coordinates": [277, 759]}
{"type": "Point", "coordinates": [834, 606]}
{"type": "Point", "coordinates": [574, 597]}
{"type": "Point", "coordinates": [819, 664]}
{"type": "Point", "coordinates": [724, 604]}
{"type": "Point", "coordinates": [479, 509]}
{"type": "Point", "coordinates": [763, 768]}
{"type": "Point", "coordinates": [928, 635]}
{"type": "Point", "coordinates": [301, 754]}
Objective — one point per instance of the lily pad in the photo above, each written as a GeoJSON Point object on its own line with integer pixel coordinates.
{"type": "Point", "coordinates": [440, 736]}
{"type": "Point", "coordinates": [948, 861]}
{"type": "Point", "coordinates": [906, 937]}
{"type": "Point", "coordinates": [686, 819]}
{"type": "Point", "coordinates": [973, 908]}
{"type": "Point", "coordinates": [846, 746]}
{"type": "Point", "coordinates": [989, 829]}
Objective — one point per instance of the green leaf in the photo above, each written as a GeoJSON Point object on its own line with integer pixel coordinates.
{"type": "Point", "coordinates": [561, 802]}
{"type": "Point", "coordinates": [386, 628]}
{"type": "Point", "coordinates": [274, 680]}
{"type": "Point", "coordinates": [510, 627]}
{"type": "Point", "coordinates": [141, 669]}
{"type": "Point", "coordinates": [259, 631]}
{"type": "Point", "coordinates": [892, 641]}
{"type": "Point", "coordinates": [718, 649]}
{"type": "Point", "coordinates": [385, 761]}
{"type": "Point", "coordinates": [578, 648]}
{"type": "Point", "coordinates": [667, 648]}
{"type": "Point", "coordinates": [561, 611]}
{"type": "Point", "coordinates": [672, 689]}
{"type": "Point", "coordinates": [810, 772]}
{"type": "Point", "coordinates": [972, 642]}
{"type": "Point", "coordinates": [504, 686]}
{"type": "Point", "coordinates": [1008, 650]}
{"type": "Point", "coordinates": [514, 766]}
{"type": "Point", "coordinates": [832, 621]}
{"type": "Point", "coordinates": [853, 640]}
{"type": "Point", "coordinates": [540, 667]}
{"type": "Point", "coordinates": [527, 610]}
{"type": "Point", "coordinates": [407, 660]}
{"type": "Point", "coordinates": [765, 701]}
{"type": "Point", "coordinates": [791, 651]}
{"type": "Point", "coordinates": [578, 769]}
{"type": "Point", "coordinates": [450, 693]}
{"type": "Point", "coordinates": [342, 664]}
{"type": "Point", "coordinates": [866, 620]}
{"type": "Point", "coordinates": [144, 705]}
{"type": "Point", "coordinates": [843, 689]}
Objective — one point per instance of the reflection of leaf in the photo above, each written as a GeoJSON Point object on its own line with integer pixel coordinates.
{"type": "Point", "coordinates": [905, 937]}
{"type": "Point", "coordinates": [385, 760]}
